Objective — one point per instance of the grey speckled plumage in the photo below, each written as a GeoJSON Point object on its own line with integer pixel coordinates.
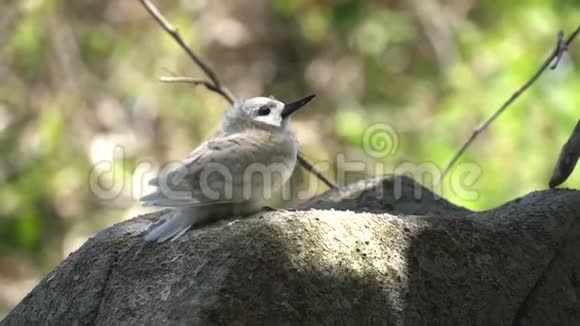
{"type": "Point", "coordinates": [230, 174]}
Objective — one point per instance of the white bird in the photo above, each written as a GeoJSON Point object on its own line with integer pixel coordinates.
{"type": "Point", "coordinates": [232, 173]}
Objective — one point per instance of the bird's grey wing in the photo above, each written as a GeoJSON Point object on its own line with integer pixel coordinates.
{"type": "Point", "coordinates": [192, 157]}
{"type": "Point", "coordinates": [204, 177]}
{"type": "Point", "coordinates": [174, 171]}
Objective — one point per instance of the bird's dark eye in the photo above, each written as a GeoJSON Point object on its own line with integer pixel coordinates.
{"type": "Point", "coordinates": [264, 110]}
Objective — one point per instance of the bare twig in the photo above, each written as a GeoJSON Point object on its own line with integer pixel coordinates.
{"type": "Point", "coordinates": [310, 168]}
{"type": "Point", "coordinates": [561, 47]}
{"type": "Point", "coordinates": [567, 159]}
{"type": "Point", "coordinates": [183, 79]}
{"type": "Point", "coordinates": [189, 80]}
{"type": "Point", "coordinates": [213, 83]}
{"type": "Point", "coordinates": [554, 57]}
{"type": "Point", "coordinates": [173, 32]}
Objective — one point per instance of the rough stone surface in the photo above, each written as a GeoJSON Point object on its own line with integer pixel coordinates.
{"type": "Point", "coordinates": [395, 195]}
{"type": "Point", "coordinates": [431, 263]}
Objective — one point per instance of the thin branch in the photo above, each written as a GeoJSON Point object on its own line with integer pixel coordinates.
{"type": "Point", "coordinates": [213, 83]}
{"type": "Point", "coordinates": [561, 47]}
{"type": "Point", "coordinates": [310, 168]}
{"type": "Point", "coordinates": [182, 79]}
{"type": "Point", "coordinates": [173, 32]}
{"type": "Point", "coordinates": [189, 80]}
{"type": "Point", "coordinates": [554, 57]}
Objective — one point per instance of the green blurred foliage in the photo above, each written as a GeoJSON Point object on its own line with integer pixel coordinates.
{"type": "Point", "coordinates": [79, 79]}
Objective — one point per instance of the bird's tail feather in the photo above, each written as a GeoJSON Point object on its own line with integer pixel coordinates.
{"type": "Point", "coordinates": [173, 225]}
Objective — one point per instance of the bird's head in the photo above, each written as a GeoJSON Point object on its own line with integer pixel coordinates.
{"type": "Point", "coordinates": [263, 111]}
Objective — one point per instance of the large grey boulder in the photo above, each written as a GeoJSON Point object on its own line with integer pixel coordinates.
{"type": "Point", "coordinates": [401, 259]}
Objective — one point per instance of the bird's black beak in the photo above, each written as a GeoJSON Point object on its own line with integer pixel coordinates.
{"type": "Point", "coordinates": [294, 106]}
